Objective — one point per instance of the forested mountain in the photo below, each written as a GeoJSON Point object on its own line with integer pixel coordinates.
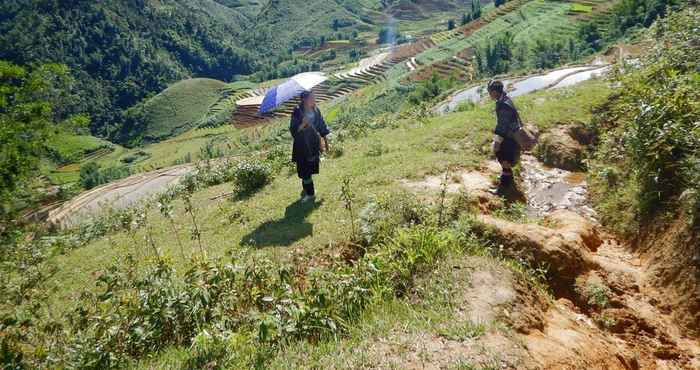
{"type": "Point", "coordinates": [123, 51]}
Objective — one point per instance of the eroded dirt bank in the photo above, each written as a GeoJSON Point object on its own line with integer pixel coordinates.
{"type": "Point", "coordinates": [615, 304]}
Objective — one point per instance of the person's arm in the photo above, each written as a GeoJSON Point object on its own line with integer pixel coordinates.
{"type": "Point", "coordinates": [297, 123]}
{"type": "Point", "coordinates": [323, 131]}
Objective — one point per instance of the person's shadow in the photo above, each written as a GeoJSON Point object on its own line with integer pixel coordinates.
{"type": "Point", "coordinates": [286, 230]}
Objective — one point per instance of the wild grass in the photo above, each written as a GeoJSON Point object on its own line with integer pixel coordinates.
{"type": "Point", "coordinates": [273, 226]}
{"type": "Point", "coordinates": [275, 223]}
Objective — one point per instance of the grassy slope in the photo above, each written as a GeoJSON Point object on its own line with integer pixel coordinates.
{"type": "Point", "coordinates": [456, 140]}
{"type": "Point", "coordinates": [179, 107]}
{"type": "Point", "coordinates": [71, 150]}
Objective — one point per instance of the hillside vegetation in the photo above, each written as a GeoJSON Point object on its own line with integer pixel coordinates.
{"type": "Point", "coordinates": [175, 110]}
{"type": "Point", "coordinates": [120, 52]}
{"type": "Point", "coordinates": [401, 261]}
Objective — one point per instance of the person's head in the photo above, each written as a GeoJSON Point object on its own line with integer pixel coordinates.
{"type": "Point", "coordinates": [495, 89]}
{"type": "Point", "coordinates": [308, 100]}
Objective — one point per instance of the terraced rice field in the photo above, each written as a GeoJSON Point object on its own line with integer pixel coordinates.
{"type": "Point", "coordinates": [369, 71]}
{"type": "Point", "coordinates": [448, 53]}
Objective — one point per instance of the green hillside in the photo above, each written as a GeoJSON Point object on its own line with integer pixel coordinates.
{"type": "Point", "coordinates": [120, 52]}
{"type": "Point", "coordinates": [414, 252]}
{"type": "Point", "coordinates": [175, 110]}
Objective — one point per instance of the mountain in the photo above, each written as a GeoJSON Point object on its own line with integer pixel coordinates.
{"type": "Point", "coordinates": [122, 52]}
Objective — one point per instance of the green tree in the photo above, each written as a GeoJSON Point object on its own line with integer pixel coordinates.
{"type": "Point", "coordinates": [26, 119]}
{"type": "Point", "coordinates": [476, 10]}
{"type": "Point", "coordinates": [588, 33]}
{"type": "Point", "coordinates": [466, 18]}
{"type": "Point", "coordinates": [450, 24]}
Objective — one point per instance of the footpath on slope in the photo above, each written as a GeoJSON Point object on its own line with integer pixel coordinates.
{"type": "Point", "coordinates": [602, 315]}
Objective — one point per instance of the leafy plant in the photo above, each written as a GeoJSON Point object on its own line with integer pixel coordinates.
{"type": "Point", "coordinates": [347, 195]}
{"type": "Point", "coordinates": [250, 176]}
{"type": "Point", "coordinates": [386, 214]}
{"type": "Point", "coordinates": [649, 128]}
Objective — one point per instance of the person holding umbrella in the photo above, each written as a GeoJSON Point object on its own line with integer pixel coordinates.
{"type": "Point", "coordinates": [310, 132]}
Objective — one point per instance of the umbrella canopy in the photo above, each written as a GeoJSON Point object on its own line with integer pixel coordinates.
{"type": "Point", "coordinates": [282, 93]}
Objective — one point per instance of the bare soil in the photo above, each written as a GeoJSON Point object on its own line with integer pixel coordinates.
{"type": "Point", "coordinates": [615, 304]}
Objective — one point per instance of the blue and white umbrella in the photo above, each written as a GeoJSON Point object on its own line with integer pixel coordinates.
{"type": "Point", "coordinates": [282, 93]}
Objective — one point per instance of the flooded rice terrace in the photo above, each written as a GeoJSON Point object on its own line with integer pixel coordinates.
{"type": "Point", "coordinates": [559, 78]}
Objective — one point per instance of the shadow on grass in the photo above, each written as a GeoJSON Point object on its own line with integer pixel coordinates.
{"type": "Point", "coordinates": [285, 231]}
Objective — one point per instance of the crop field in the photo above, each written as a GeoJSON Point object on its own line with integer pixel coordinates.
{"type": "Point", "coordinates": [179, 107]}
{"type": "Point", "coordinates": [581, 8]}
{"type": "Point", "coordinates": [523, 23]}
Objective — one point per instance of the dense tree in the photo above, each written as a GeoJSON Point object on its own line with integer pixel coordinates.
{"type": "Point", "coordinates": [589, 34]}
{"type": "Point", "coordinates": [26, 122]}
{"type": "Point", "coordinates": [450, 24]}
{"type": "Point", "coordinates": [466, 18]}
{"type": "Point", "coordinates": [476, 10]}
{"type": "Point", "coordinates": [638, 13]}
{"type": "Point", "coordinates": [496, 57]}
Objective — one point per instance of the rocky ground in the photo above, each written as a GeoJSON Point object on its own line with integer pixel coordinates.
{"type": "Point", "coordinates": [601, 313]}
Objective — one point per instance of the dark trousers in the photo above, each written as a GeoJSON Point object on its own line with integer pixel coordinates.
{"type": "Point", "coordinates": [308, 185]}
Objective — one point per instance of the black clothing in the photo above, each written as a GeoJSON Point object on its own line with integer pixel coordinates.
{"type": "Point", "coordinates": [306, 149]}
{"type": "Point", "coordinates": [509, 151]}
{"type": "Point", "coordinates": [508, 122]}
{"type": "Point", "coordinates": [308, 188]}
{"type": "Point", "coordinates": [507, 117]}
{"type": "Point", "coordinates": [307, 142]}
{"type": "Point", "coordinates": [305, 169]}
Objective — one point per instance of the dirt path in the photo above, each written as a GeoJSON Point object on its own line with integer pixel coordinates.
{"type": "Point", "coordinates": [642, 336]}
{"type": "Point", "coordinates": [601, 316]}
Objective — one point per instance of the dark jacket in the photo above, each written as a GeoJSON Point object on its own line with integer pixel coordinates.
{"type": "Point", "coordinates": [507, 117]}
{"type": "Point", "coordinates": [307, 142]}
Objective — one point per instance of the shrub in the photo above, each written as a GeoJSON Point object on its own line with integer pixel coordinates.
{"type": "Point", "coordinates": [91, 175]}
{"type": "Point", "coordinates": [250, 176]}
{"type": "Point", "coordinates": [382, 217]}
{"type": "Point", "coordinates": [649, 126]}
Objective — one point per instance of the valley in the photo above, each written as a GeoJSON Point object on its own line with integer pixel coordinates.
{"type": "Point", "coordinates": [188, 246]}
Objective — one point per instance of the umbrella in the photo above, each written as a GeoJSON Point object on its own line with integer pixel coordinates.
{"type": "Point", "coordinates": [280, 94]}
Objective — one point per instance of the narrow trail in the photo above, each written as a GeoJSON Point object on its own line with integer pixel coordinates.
{"type": "Point", "coordinates": [644, 337]}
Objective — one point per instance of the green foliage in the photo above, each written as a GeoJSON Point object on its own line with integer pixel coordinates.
{"type": "Point", "coordinates": [66, 147]}
{"type": "Point", "coordinates": [177, 109]}
{"type": "Point", "coordinates": [122, 52]}
{"type": "Point", "coordinates": [27, 118]}
{"type": "Point", "coordinates": [383, 216]}
{"type": "Point", "coordinates": [476, 10]}
{"type": "Point", "coordinates": [495, 57]}
{"type": "Point", "coordinates": [431, 88]}
{"type": "Point", "coordinates": [589, 33]}
{"type": "Point", "coordinates": [465, 331]}
{"type": "Point", "coordinates": [91, 175]}
{"type": "Point", "coordinates": [629, 14]}
{"type": "Point", "coordinates": [250, 176]}
{"type": "Point", "coordinates": [650, 147]}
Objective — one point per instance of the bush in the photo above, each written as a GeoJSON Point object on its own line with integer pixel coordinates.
{"type": "Point", "coordinates": [91, 175]}
{"type": "Point", "coordinates": [250, 176]}
{"type": "Point", "coordinates": [382, 217]}
{"type": "Point", "coordinates": [649, 127]}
